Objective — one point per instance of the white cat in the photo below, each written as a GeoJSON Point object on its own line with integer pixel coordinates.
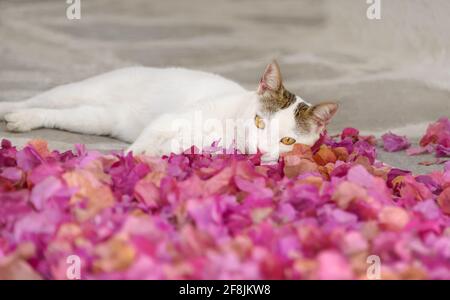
{"type": "Point", "coordinates": [141, 105]}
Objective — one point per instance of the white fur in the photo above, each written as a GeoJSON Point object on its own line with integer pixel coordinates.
{"type": "Point", "coordinates": [139, 105]}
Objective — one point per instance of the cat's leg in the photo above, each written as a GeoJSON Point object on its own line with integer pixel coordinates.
{"type": "Point", "coordinates": [83, 119]}
{"type": "Point", "coordinates": [153, 143]}
{"type": "Point", "coordinates": [11, 106]}
{"type": "Point", "coordinates": [178, 132]}
{"type": "Point", "coordinates": [64, 96]}
{"type": "Point", "coordinates": [164, 135]}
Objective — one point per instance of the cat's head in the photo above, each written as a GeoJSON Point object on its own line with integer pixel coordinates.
{"type": "Point", "coordinates": [296, 120]}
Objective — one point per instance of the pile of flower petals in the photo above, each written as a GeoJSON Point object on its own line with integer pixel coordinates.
{"type": "Point", "coordinates": [436, 140]}
{"type": "Point", "coordinates": [317, 214]}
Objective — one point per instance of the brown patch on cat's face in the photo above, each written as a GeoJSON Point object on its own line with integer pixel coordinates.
{"type": "Point", "coordinates": [303, 117]}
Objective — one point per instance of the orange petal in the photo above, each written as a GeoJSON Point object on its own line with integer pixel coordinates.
{"type": "Point", "coordinates": [324, 155]}
{"type": "Point", "coordinates": [301, 166]}
{"type": "Point", "coordinates": [97, 195]}
{"type": "Point", "coordinates": [41, 146]}
{"type": "Point", "coordinates": [444, 201]}
{"type": "Point", "coordinates": [15, 267]}
{"type": "Point", "coordinates": [341, 153]}
{"type": "Point", "coordinates": [300, 150]}
{"type": "Point", "coordinates": [393, 218]}
{"type": "Point", "coordinates": [115, 254]}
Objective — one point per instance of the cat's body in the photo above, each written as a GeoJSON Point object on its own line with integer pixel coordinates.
{"type": "Point", "coordinates": [140, 105]}
{"type": "Point", "coordinates": [127, 99]}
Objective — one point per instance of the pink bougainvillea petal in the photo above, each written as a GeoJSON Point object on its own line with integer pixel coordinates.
{"type": "Point", "coordinates": [444, 201]}
{"type": "Point", "coordinates": [394, 143]}
{"type": "Point", "coordinates": [420, 150]}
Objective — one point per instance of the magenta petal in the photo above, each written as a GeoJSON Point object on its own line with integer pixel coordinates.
{"type": "Point", "coordinates": [394, 173]}
{"type": "Point", "coordinates": [13, 174]}
{"type": "Point", "coordinates": [364, 148]}
{"type": "Point", "coordinates": [447, 166]}
{"type": "Point", "coordinates": [429, 209]}
{"type": "Point", "coordinates": [333, 266]}
{"type": "Point", "coordinates": [442, 151]}
{"type": "Point", "coordinates": [359, 175]}
{"type": "Point", "coordinates": [419, 150]}
{"type": "Point", "coordinates": [349, 132]}
{"type": "Point", "coordinates": [394, 143]}
{"type": "Point", "coordinates": [45, 190]}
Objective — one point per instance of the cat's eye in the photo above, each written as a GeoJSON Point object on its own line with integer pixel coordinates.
{"type": "Point", "coordinates": [287, 141]}
{"type": "Point", "coordinates": [259, 123]}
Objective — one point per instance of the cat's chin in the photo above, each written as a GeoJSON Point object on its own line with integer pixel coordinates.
{"type": "Point", "coordinates": [269, 160]}
{"type": "Point", "coordinates": [269, 163]}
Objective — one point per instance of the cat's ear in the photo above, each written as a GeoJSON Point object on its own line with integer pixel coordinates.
{"type": "Point", "coordinates": [271, 79]}
{"type": "Point", "coordinates": [323, 112]}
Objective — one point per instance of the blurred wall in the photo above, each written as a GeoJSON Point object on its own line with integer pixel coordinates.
{"type": "Point", "coordinates": [391, 73]}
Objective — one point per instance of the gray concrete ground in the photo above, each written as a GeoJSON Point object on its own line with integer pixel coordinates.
{"type": "Point", "coordinates": [388, 74]}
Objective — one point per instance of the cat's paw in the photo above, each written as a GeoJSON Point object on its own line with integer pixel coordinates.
{"type": "Point", "coordinates": [139, 149]}
{"type": "Point", "coordinates": [153, 148]}
{"type": "Point", "coordinates": [135, 149]}
{"type": "Point", "coordinates": [22, 121]}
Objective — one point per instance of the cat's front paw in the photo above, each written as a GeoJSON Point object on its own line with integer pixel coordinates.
{"type": "Point", "coordinates": [22, 121]}
{"type": "Point", "coordinates": [139, 149]}
{"type": "Point", "coordinates": [158, 149]}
